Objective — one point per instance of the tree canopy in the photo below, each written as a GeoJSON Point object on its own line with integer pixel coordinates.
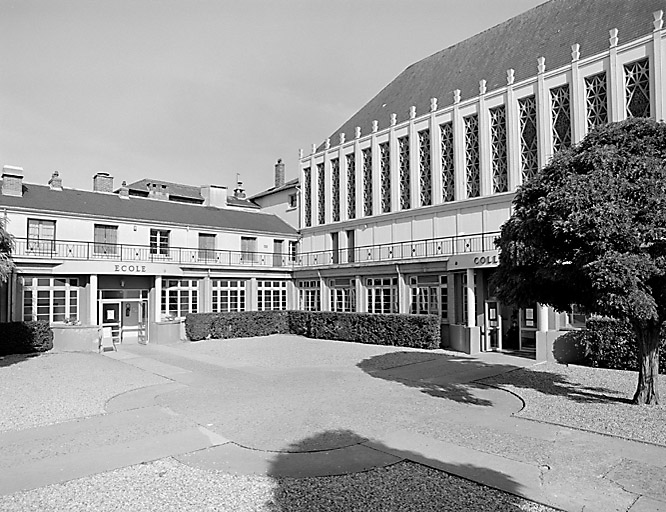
{"type": "Point", "coordinates": [6, 248]}
{"type": "Point", "coordinates": [590, 228]}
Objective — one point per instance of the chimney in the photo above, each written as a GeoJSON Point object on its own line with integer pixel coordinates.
{"type": "Point", "coordinates": [123, 193]}
{"type": "Point", "coordinates": [55, 183]}
{"type": "Point", "coordinates": [214, 195]}
{"type": "Point", "coordinates": [279, 173]}
{"type": "Point", "coordinates": [12, 181]}
{"type": "Point", "coordinates": [239, 191]}
{"type": "Point", "coordinates": [158, 191]}
{"type": "Point", "coordinates": [103, 182]}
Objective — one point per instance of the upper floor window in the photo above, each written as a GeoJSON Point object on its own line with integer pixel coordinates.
{"type": "Point", "coordinates": [335, 182]}
{"type": "Point", "coordinates": [637, 88]}
{"type": "Point", "coordinates": [321, 184]}
{"type": "Point", "coordinates": [385, 176]}
{"type": "Point", "coordinates": [448, 171]}
{"type": "Point", "coordinates": [472, 171]}
{"type": "Point", "coordinates": [206, 246]}
{"type": "Point", "coordinates": [561, 112]}
{"type": "Point", "coordinates": [293, 200]}
{"type": "Point", "coordinates": [293, 250]}
{"type": "Point", "coordinates": [41, 235]}
{"type": "Point", "coordinates": [529, 152]}
{"type": "Point", "coordinates": [307, 191]}
{"type": "Point", "coordinates": [248, 248]}
{"type": "Point", "coordinates": [596, 100]}
{"type": "Point", "coordinates": [498, 149]}
{"type": "Point", "coordinates": [351, 186]}
{"type": "Point", "coordinates": [367, 181]}
{"type": "Point", "coordinates": [425, 176]}
{"type": "Point", "coordinates": [106, 240]}
{"type": "Point", "coordinates": [159, 242]}
{"type": "Point", "coordinates": [405, 178]}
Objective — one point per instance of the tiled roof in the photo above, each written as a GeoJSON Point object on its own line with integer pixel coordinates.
{"type": "Point", "coordinates": [174, 189]}
{"type": "Point", "coordinates": [111, 206]}
{"type": "Point", "coordinates": [547, 30]}
{"type": "Point", "coordinates": [289, 184]}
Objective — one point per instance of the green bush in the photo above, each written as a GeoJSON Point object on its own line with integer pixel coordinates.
{"type": "Point", "coordinates": [25, 337]}
{"type": "Point", "coordinates": [610, 343]}
{"type": "Point", "coordinates": [418, 331]}
{"type": "Point", "coordinates": [198, 325]}
{"type": "Point", "coordinates": [246, 324]}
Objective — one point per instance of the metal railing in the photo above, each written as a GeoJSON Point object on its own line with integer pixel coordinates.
{"type": "Point", "coordinates": [97, 251]}
{"type": "Point", "coordinates": [390, 252]}
{"type": "Point", "coordinates": [400, 251]}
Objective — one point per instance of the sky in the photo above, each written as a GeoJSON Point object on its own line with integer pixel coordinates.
{"type": "Point", "coordinates": [198, 91]}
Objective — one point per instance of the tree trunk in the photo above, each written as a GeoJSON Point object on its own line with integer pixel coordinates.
{"type": "Point", "coordinates": [647, 336]}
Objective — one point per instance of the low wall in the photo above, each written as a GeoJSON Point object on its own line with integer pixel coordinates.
{"type": "Point", "coordinates": [465, 339]}
{"type": "Point", "coordinates": [166, 332]}
{"type": "Point", "coordinates": [76, 338]}
{"type": "Point", "coordinates": [557, 347]}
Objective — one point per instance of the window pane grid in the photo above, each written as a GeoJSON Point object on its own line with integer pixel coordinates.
{"type": "Point", "coordinates": [307, 200]}
{"type": "Point", "coordinates": [321, 184]}
{"type": "Point", "coordinates": [596, 100]}
{"type": "Point", "coordinates": [472, 173]}
{"type": "Point", "coordinates": [498, 149]}
{"type": "Point", "coordinates": [367, 181]}
{"type": "Point", "coordinates": [335, 181]}
{"type": "Point", "coordinates": [448, 172]}
{"type": "Point", "coordinates": [637, 88]}
{"type": "Point", "coordinates": [405, 178]}
{"type": "Point", "coordinates": [425, 176]}
{"type": "Point", "coordinates": [351, 186]}
{"type": "Point", "coordinates": [529, 159]}
{"type": "Point", "coordinates": [385, 170]}
{"type": "Point", "coordinates": [561, 113]}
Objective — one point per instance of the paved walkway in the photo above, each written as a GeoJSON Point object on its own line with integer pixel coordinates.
{"type": "Point", "coordinates": [287, 406]}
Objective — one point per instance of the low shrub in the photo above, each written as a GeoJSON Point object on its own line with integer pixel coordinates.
{"type": "Point", "coordinates": [198, 325]}
{"type": "Point", "coordinates": [246, 324]}
{"type": "Point", "coordinates": [610, 343]}
{"type": "Point", "coordinates": [25, 337]}
{"type": "Point", "coordinates": [418, 331]}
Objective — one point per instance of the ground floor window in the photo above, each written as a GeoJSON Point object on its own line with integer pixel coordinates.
{"type": "Point", "coordinates": [228, 295]}
{"type": "Point", "coordinates": [343, 295]}
{"type": "Point", "coordinates": [271, 295]}
{"type": "Point", "coordinates": [54, 299]}
{"type": "Point", "coordinates": [180, 297]}
{"type": "Point", "coordinates": [382, 295]}
{"type": "Point", "coordinates": [309, 295]}
{"type": "Point", "coordinates": [424, 295]}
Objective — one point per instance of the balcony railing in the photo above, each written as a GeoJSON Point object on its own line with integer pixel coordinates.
{"type": "Point", "coordinates": [391, 252]}
{"type": "Point", "coordinates": [400, 251]}
{"type": "Point", "coordinates": [68, 250]}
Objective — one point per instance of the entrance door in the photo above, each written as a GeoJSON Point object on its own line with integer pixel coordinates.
{"type": "Point", "coordinates": [493, 326]}
{"type": "Point", "coordinates": [111, 318]}
{"type": "Point", "coordinates": [277, 253]}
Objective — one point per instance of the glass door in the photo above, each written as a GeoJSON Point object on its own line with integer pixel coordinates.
{"type": "Point", "coordinates": [111, 319]}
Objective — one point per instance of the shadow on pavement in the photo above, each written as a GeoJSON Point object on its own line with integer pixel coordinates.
{"type": "Point", "coordinates": [410, 484]}
{"type": "Point", "coordinates": [16, 358]}
{"type": "Point", "coordinates": [461, 379]}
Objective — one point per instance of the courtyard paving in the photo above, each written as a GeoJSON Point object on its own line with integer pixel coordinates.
{"type": "Point", "coordinates": [262, 416]}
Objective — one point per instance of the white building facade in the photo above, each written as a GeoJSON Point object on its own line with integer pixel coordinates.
{"type": "Point", "coordinates": [401, 207]}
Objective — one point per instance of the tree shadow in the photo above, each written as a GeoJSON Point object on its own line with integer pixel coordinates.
{"type": "Point", "coordinates": [374, 476]}
{"type": "Point", "coordinates": [16, 358]}
{"type": "Point", "coordinates": [463, 379]}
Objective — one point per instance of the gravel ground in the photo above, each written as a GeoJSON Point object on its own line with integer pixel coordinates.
{"type": "Point", "coordinates": [27, 387]}
{"type": "Point", "coordinates": [587, 398]}
{"type": "Point", "coordinates": [168, 485]}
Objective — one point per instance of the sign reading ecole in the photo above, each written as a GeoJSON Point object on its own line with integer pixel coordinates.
{"type": "Point", "coordinates": [130, 269]}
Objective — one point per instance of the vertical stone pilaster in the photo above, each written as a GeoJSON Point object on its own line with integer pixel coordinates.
{"type": "Point", "coordinates": [657, 68]}
{"type": "Point", "coordinates": [414, 178]}
{"type": "Point", "coordinates": [542, 318]}
{"type": "Point", "coordinates": [325, 292]}
{"type": "Point", "coordinates": [459, 152]}
{"type": "Point", "coordinates": [512, 132]}
{"type": "Point", "coordinates": [615, 81]}
{"type": "Point", "coordinates": [361, 301]}
{"type": "Point", "coordinates": [577, 92]}
{"type": "Point", "coordinates": [471, 299]}
{"type": "Point", "coordinates": [157, 305]}
{"type": "Point", "coordinates": [342, 162]}
{"type": "Point", "coordinates": [545, 140]}
{"type": "Point", "coordinates": [376, 174]}
{"type": "Point", "coordinates": [485, 156]}
{"type": "Point", "coordinates": [395, 166]}
{"type": "Point", "coordinates": [252, 294]}
{"type": "Point", "coordinates": [435, 154]}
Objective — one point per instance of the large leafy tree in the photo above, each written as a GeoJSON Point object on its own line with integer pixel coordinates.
{"type": "Point", "coordinates": [590, 229]}
{"type": "Point", "coordinates": [6, 248]}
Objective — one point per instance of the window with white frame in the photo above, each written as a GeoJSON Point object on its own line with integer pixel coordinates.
{"type": "Point", "coordinates": [293, 200]}
{"type": "Point", "coordinates": [596, 100]}
{"type": "Point", "coordinates": [206, 247]}
{"type": "Point", "coordinates": [425, 176]}
{"type": "Point", "coordinates": [321, 190]}
{"type": "Point", "coordinates": [367, 181]}
{"type": "Point", "coordinates": [405, 178]}
{"type": "Point", "coordinates": [106, 240]}
{"type": "Point", "coordinates": [343, 295]}
{"type": "Point", "coordinates": [293, 251]}
{"type": "Point", "coordinates": [351, 185]}
{"type": "Point", "coordinates": [180, 297]}
{"type": "Point", "coordinates": [529, 150]}
{"type": "Point", "coordinates": [309, 295]}
{"type": "Point", "coordinates": [228, 295]}
{"type": "Point", "coordinates": [271, 295]}
{"type": "Point", "coordinates": [448, 170]}
{"type": "Point", "coordinates": [424, 295]}
{"type": "Point", "coordinates": [53, 299]}
{"type": "Point", "coordinates": [637, 88]}
{"type": "Point", "coordinates": [307, 193]}
{"type": "Point", "coordinates": [335, 183]}
{"type": "Point", "coordinates": [472, 169]}
{"type": "Point", "coordinates": [159, 242]}
{"type": "Point", "coordinates": [382, 295]}
{"type": "Point", "coordinates": [560, 107]}
{"type": "Point", "coordinates": [385, 176]}
{"type": "Point", "coordinates": [498, 149]}
{"type": "Point", "coordinates": [41, 236]}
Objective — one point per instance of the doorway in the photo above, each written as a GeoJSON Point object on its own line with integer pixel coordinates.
{"type": "Point", "coordinates": [126, 313]}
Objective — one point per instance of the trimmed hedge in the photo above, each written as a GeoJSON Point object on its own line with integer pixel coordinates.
{"type": "Point", "coordinates": [418, 331]}
{"type": "Point", "coordinates": [25, 337]}
{"type": "Point", "coordinates": [610, 343]}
